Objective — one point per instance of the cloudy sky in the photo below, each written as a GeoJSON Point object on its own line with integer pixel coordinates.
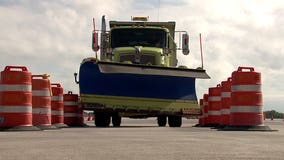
{"type": "Point", "coordinates": [53, 36]}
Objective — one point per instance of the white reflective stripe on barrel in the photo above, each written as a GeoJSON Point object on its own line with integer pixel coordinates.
{"type": "Point", "coordinates": [225, 111]}
{"type": "Point", "coordinates": [57, 113]}
{"type": "Point", "coordinates": [214, 113]}
{"type": "Point", "coordinates": [79, 115]}
{"type": "Point", "coordinates": [57, 98]}
{"type": "Point", "coordinates": [66, 103]}
{"type": "Point", "coordinates": [41, 93]}
{"type": "Point", "coordinates": [41, 111]}
{"type": "Point", "coordinates": [70, 114]}
{"type": "Point", "coordinates": [244, 109]}
{"type": "Point", "coordinates": [16, 109]}
{"type": "Point", "coordinates": [214, 98]}
{"type": "Point", "coordinates": [15, 87]}
{"type": "Point", "coordinates": [252, 88]}
{"type": "Point", "coordinates": [225, 94]}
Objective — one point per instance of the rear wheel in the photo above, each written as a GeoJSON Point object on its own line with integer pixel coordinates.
{"type": "Point", "coordinates": [102, 119]}
{"type": "Point", "coordinates": [175, 121]}
{"type": "Point", "coordinates": [116, 120]}
{"type": "Point", "coordinates": [162, 121]}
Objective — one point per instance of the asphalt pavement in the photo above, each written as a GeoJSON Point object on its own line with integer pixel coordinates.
{"type": "Point", "coordinates": [141, 139]}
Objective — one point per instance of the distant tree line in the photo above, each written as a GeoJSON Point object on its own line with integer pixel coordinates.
{"type": "Point", "coordinates": [275, 114]}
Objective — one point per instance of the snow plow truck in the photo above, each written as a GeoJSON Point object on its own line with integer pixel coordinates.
{"type": "Point", "coordinates": [136, 74]}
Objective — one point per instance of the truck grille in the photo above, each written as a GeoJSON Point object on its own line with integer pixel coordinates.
{"type": "Point", "coordinates": [128, 57]}
{"type": "Point", "coordinates": [145, 58]}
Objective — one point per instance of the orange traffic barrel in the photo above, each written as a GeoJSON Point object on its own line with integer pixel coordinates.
{"type": "Point", "coordinates": [41, 101]}
{"type": "Point", "coordinates": [214, 105]}
{"type": "Point", "coordinates": [246, 101]}
{"type": "Point", "coordinates": [57, 106]}
{"type": "Point", "coordinates": [71, 109]}
{"type": "Point", "coordinates": [80, 115]}
{"type": "Point", "coordinates": [201, 118]}
{"type": "Point", "coordinates": [16, 99]}
{"type": "Point", "coordinates": [226, 101]}
{"type": "Point", "coordinates": [205, 107]}
{"type": "Point", "coordinates": [90, 118]}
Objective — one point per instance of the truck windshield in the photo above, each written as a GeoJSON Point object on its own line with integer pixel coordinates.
{"type": "Point", "coordinates": [138, 37]}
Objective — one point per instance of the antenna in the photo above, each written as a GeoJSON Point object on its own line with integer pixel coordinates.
{"type": "Point", "coordinates": [95, 39]}
{"type": "Point", "coordinates": [200, 40]}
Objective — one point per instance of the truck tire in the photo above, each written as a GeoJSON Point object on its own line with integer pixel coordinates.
{"type": "Point", "coordinates": [116, 120]}
{"type": "Point", "coordinates": [102, 119]}
{"type": "Point", "coordinates": [175, 121]}
{"type": "Point", "coordinates": [162, 121]}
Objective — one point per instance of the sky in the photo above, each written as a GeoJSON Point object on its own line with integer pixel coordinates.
{"type": "Point", "coordinates": [53, 36]}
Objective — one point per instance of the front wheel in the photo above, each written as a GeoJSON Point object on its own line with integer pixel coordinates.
{"type": "Point", "coordinates": [116, 120]}
{"type": "Point", "coordinates": [175, 121]}
{"type": "Point", "coordinates": [162, 121]}
{"type": "Point", "coordinates": [102, 119]}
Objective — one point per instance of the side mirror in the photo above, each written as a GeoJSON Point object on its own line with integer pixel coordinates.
{"type": "Point", "coordinates": [185, 42]}
{"type": "Point", "coordinates": [95, 45]}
